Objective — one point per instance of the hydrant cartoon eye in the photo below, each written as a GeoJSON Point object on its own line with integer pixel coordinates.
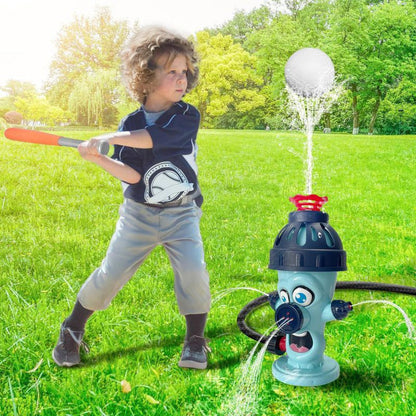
{"type": "Point", "coordinates": [303, 296]}
{"type": "Point", "coordinates": [284, 296]}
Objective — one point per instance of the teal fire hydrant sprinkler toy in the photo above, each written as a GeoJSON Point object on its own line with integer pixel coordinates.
{"type": "Point", "coordinates": [308, 254]}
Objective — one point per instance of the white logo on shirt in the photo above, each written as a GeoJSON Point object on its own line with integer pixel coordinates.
{"type": "Point", "coordinates": [165, 182]}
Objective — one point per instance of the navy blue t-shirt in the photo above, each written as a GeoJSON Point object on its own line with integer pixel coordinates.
{"type": "Point", "coordinates": [168, 170]}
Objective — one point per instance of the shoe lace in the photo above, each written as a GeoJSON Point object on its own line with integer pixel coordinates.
{"type": "Point", "coordinates": [76, 336]}
{"type": "Point", "coordinates": [196, 342]}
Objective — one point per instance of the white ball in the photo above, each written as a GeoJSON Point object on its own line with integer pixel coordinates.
{"type": "Point", "coordinates": [310, 72]}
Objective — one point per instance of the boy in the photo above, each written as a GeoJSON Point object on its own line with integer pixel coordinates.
{"type": "Point", "coordinates": [154, 157]}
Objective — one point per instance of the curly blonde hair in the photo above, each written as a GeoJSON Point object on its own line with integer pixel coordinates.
{"type": "Point", "coordinates": [141, 52]}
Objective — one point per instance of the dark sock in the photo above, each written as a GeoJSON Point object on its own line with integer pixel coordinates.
{"type": "Point", "coordinates": [78, 318]}
{"type": "Point", "coordinates": [195, 325]}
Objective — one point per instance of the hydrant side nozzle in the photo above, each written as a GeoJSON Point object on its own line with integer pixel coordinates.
{"type": "Point", "coordinates": [277, 345]}
{"type": "Point", "coordinates": [341, 309]}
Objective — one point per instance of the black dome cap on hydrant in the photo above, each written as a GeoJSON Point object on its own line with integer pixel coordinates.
{"type": "Point", "coordinates": [308, 242]}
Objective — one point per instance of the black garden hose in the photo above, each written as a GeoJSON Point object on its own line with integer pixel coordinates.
{"type": "Point", "coordinates": [275, 344]}
{"type": "Point", "coordinates": [384, 287]}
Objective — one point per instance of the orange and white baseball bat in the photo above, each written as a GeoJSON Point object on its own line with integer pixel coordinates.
{"type": "Point", "coordinates": [39, 137]}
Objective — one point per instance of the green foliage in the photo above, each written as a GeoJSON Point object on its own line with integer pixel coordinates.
{"type": "Point", "coordinates": [93, 98]}
{"type": "Point", "coordinates": [273, 46]}
{"type": "Point", "coordinates": [373, 47]}
{"type": "Point", "coordinates": [36, 109]}
{"type": "Point", "coordinates": [125, 104]}
{"type": "Point", "coordinates": [398, 109]}
{"type": "Point", "coordinates": [372, 44]}
{"type": "Point", "coordinates": [243, 24]}
{"type": "Point", "coordinates": [58, 214]}
{"type": "Point", "coordinates": [229, 86]}
{"type": "Point", "coordinates": [3, 109]}
{"type": "Point", "coordinates": [16, 89]}
{"type": "Point", "coordinates": [84, 48]}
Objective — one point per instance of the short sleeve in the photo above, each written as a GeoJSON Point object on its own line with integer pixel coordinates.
{"type": "Point", "coordinates": [176, 135]}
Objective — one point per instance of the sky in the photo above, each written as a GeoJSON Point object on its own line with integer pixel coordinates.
{"type": "Point", "coordinates": [29, 28]}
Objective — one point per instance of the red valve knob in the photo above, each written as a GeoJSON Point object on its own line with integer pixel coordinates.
{"type": "Point", "coordinates": [308, 202]}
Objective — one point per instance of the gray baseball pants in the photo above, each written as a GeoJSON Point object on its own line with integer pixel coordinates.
{"type": "Point", "coordinates": [139, 230]}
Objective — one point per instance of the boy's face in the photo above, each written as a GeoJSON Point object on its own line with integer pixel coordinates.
{"type": "Point", "coordinates": [170, 83]}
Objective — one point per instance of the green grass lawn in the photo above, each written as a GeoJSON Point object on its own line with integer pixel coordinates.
{"type": "Point", "coordinates": [58, 213]}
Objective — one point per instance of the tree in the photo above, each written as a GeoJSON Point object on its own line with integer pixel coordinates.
{"type": "Point", "coordinates": [293, 7]}
{"type": "Point", "coordinates": [93, 98]}
{"type": "Point", "coordinates": [245, 23]}
{"type": "Point", "coordinates": [397, 114]}
{"type": "Point", "coordinates": [84, 47]}
{"type": "Point", "coordinates": [13, 117]}
{"type": "Point", "coordinates": [15, 89]}
{"type": "Point", "coordinates": [391, 51]}
{"type": "Point", "coordinates": [229, 85]}
{"type": "Point", "coordinates": [273, 46]}
{"type": "Point", "coordinates": [31, 107]}
{"type": "Point", "coordinates": [345, 41]}
{"type": "Point", "coordinates": [373, 47]}
{"type": "Point", "coordinates": [36, 109]}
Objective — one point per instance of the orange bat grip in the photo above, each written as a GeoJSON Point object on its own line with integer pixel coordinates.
{"type": "Point", "coordinates": [31, 136]}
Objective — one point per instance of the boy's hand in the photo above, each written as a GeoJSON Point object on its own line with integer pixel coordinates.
{"type": "Point", "coordinates": [90, 150]}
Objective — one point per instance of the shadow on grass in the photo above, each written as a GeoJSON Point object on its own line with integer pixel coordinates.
{"type": "Point", "coordinates": [231, 359]}
{"type": "Point", "coordinates": [362, 380]}
{"type": "Point", "coordinates": [112, 355]}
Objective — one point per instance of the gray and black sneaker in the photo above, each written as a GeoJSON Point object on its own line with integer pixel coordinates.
{"type": "Point", "coordinates": [194, 353]}
{"type": "Point", "coordinates": [66, 352]}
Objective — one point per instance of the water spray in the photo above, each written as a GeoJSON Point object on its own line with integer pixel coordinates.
{"type": "Point", "coordinates": [308, 253]}
{"type": "Point", "coordinates": [310, 83]}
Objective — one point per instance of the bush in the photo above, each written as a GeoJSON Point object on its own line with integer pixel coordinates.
{"type": "Point", "coordinates": [13, 117]}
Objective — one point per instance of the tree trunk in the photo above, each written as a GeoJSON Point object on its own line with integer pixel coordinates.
{"type": "Point", "coordinates": [202, 108]}
{"type": "Point", "coordinates": [355, 115]}
{"type": "Point", "coordinates": [327, 120]}
{"type": "Point", "coordinates": [374, 113]}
